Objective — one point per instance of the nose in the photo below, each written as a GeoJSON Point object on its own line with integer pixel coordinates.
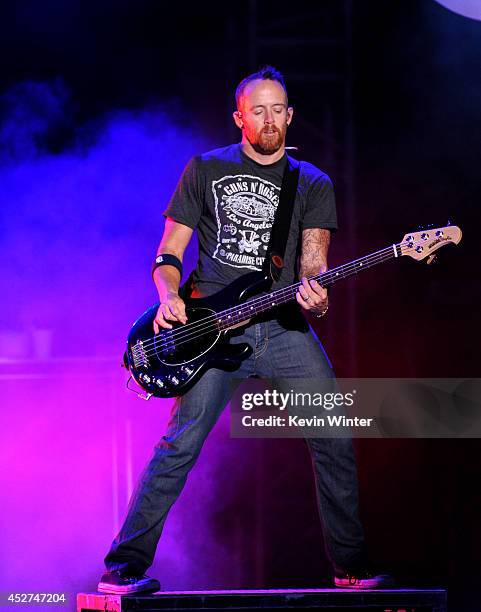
{"type": "Point", "coordinates": [269, 117]}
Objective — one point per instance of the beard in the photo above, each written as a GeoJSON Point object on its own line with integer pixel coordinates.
{"type": "Point", "coordinates": [268, 140]}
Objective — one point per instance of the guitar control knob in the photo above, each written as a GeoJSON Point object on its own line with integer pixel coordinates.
{"type": "Point", "coordinates": [159, 383]}
{"type": "Point", "coordinates": [145, 378]}
{"type": "Point", "coordinates": [186, 370]}
{"type": "Point", "coordinates": [419, 248]}
{"type": "Point", "coordinates": [174, 380]}
{"type": "Point", "coordinates": [424, 236]}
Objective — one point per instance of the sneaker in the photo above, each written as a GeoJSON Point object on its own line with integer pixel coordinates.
{"type": "Point", "coordinates": [363, 580]}
{"type": "Point", "coordinates": [119, 583]}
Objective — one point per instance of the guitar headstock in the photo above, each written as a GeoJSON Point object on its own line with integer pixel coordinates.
{"type": "Point", "coordinates": [422, 244]}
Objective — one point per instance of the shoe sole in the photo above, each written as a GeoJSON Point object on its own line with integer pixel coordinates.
{"type": "Point", "coordinates": [105, 587]}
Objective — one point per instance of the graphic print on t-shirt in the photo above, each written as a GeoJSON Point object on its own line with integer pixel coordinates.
{"type": "Point", "coordinates": [244, 207]}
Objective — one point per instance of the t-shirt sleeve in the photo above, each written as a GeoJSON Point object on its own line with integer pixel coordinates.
{"type": "Point", "coordinates": [186, 203]}
{"type": "Point", "coordinates": [320, 211]}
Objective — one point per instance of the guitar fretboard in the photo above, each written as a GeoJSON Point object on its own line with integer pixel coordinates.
{"type": "Point", "coordinates": [267, 301]}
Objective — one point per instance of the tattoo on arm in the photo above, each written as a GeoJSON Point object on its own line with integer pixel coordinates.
{"type": "Point", "coordinates": [315, 245]}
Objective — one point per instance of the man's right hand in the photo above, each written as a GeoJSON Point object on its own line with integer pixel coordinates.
{"type": "Point", "coordinates": [172, 308]}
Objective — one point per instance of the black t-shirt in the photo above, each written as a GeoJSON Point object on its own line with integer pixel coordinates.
{"type": "Point", "coordinates": [231, 200]}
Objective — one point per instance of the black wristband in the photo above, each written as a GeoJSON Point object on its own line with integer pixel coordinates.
{"type": "Point", "coordinates": [166, 259]}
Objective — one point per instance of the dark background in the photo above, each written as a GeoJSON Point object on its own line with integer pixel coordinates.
{"type": "Point", "coordinates": [387, 98]}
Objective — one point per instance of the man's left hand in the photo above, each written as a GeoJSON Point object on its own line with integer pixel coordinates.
{"type": "Point", "coordinates": [312, 297]}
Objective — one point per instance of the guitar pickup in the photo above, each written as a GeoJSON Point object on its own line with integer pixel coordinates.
{"type": "Point", "coordinates": [168, 344]}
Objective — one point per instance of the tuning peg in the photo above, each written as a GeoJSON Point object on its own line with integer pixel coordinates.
{"type": "Point", "coordinates": [431, 259]}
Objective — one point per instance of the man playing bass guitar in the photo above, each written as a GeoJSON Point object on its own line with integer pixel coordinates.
{"type": "Point", "coordinates": [230, 196]}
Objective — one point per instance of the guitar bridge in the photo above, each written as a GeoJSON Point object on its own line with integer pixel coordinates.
{"type": "Point", "coordinates": [139, 355]}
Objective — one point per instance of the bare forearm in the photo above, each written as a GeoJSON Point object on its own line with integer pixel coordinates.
{"type": "Point", "coordinates": [315, 246]}
{"type": "Point", "coordinates": [311, 296]}
{"type": "Point", "coordinates": [167, 281]}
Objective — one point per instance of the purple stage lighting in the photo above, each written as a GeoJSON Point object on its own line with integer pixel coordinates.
{"type": "Point", "coordinates": [466, 8]}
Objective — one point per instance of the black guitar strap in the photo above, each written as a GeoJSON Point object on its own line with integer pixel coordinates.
{"type": "Point", "coordinates": [274, 261]}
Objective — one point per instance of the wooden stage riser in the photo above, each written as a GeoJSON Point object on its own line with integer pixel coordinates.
{"type": "Point", "coordinates": [322, 600]}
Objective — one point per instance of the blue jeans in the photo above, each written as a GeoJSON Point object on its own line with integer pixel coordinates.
{"type": "Point", "coordinates": [277, 353]}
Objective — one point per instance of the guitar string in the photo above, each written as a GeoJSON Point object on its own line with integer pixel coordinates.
{"type": "Point", "coordinates": [207, 324]}
{"type": "Point", "coordinates": [269, 298]}
{"type": "Point", "coordinates": [334, 275]}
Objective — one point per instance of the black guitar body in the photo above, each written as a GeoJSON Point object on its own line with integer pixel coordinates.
{"type": "Point", "coordinates": [170, 363]}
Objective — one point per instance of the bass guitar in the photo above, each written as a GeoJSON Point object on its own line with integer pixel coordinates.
{"type": "Point", "coordinates": [169, 363]}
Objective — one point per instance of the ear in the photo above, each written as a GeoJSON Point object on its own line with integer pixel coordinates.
{"type": "Point", "coordinates": [238, 119]}
{"type": "Point", "coordinates": [290, 113]}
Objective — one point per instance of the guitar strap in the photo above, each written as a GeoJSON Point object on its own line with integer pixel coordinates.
{"type": "Point", "coordinates": [274, 261]}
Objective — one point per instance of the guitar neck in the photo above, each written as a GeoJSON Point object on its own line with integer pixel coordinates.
{"type": "Point", "coordinates": [266, 302]}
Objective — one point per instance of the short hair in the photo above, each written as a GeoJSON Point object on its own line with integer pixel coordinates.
{"type": "Point", "coordinates": [267, 73]}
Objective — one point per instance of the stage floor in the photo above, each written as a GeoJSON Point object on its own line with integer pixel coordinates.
{"type": "Point", "coordinates": [326, 600]}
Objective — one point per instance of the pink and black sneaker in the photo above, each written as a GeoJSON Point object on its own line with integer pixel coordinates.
{"type": "Point", "coordinates": [363, 580]}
